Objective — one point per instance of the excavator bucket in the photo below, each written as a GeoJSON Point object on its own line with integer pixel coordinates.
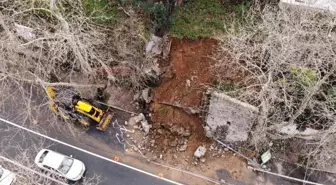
{"type": "Point", "coordinates": [106, 120]}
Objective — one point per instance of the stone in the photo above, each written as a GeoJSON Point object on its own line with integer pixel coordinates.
{"type": "Point", "coordinates": [203, 160]}
{"type": "Point", "coordinates": [222, 182]}
{"type": "Point", "coordinates": [200, 152]}
{"type": "Point", "coordinates": [188, 83]}
{"type": "Point", "coordinates": [161, 156]}
{"type": "Point", "coordinates": [126, 123]}
{"type": "Point", "coordinates": [155, 46]}
{"type": "Point", "coordinates": [128, 136]}
{"type": "Point", "coordinates": [173, 143]}
{"type": "Point", "coordinates": [136, 119]}
{"type": "Point", "coordinates": [226, 149]}
{"type": "Point", "coordinates": [183, 148]}
{"type": "Point", "coordinates": [145, 126]}
{"type": "Point", "coordinates": [208, 132]}
{"type": "Point", "coordinates": [186, 133]}
{"type": "Point", "coordinates": [137, 97]}
{"type": "Point", "coordinates": [146, 95]}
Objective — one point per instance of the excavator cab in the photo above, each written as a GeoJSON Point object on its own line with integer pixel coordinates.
{"type": "Point", "coordinates": [82, 110]}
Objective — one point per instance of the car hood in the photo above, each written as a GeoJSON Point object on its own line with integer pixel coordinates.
{"type": "Point", "coordinates": [6, 178]}
{"type": "Point", "coordinates": [76, 170]}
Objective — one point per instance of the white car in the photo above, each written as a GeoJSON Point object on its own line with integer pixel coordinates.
{"type": "Point", "coordinates": [6, 177]}
{"type": "Point", "coordinates": [68, 167]}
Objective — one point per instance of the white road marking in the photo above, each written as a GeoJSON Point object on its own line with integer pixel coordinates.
{"type": "Point", "coordinates": [88, 152]}
{"type": "Point", "coordinates": [26, 168]}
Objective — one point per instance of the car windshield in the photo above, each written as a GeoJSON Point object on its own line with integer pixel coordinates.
{"type": "Point", "coordinates": [1, 172]}
{"type": "Point", "coordinates": [66, 165]}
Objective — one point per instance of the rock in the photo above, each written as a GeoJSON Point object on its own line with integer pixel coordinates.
{"type": "Point", "coordinates": [200, 152]}
{"type": "Point", "coordinates": [211, 147]}
{"type": "Point", "coordinates": [270, 144]}
{"type": "Point", "coordinates": [155, 46]}
{"type": "Point", "coordinates": [146, 95]}
{"type": "Point", "coordinates": [226, 149]}
{"type": "Point", "coordinates": [126, 123]}
{"type": "Point", "coordinates": [183, 148]}
{"type": "Point", "coordinates": [173, 143]}
{"type": "Point", "coordinates": [203, 160]}
{"type": "Point", "coordinates": [137, 97]}
{"type": "Point", "coordinates": [188, 83]}
{"type": "Point", "coordinates": [208, 132]}
{"type": "Point", "coordinates": [186, 133]}
{"type": "Point", "coordinates": [145, 126]}
{"type": "Point", "coordinates": [178, 130]}
{"type": "Point", "coordinates": [222, 182]}
{"type": "Point", "coordinates": [160, 131]}
{"type": "Point", "coordinates": [136, 119]}
{"type": "Point", "coordinates": [161, 156]}
{"type": "Point", "coordinates": [25, 32]}
{"type": "Point", "coordinates": [175, 156]}
{"type": "Point", "coordinates": [128, 136]}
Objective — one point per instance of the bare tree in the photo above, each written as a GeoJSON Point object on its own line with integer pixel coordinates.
{"type": "Point", "coordinates": [287, 58]}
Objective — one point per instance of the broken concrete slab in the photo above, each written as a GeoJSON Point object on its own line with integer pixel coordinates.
{"type": "Point", "coordinates": [25, 32]}
{"type": "Point", "coordinates": [155, 45]}
{"type": "Point", "coordinates": [329, 5]}
{"type": "Point", "coordinates": [145, 126]}
{"type": "Point", "coordinates": [229, 119]}
{"type": "Point", "coordinates": [136, 119]}
{"type": "Point", "coordinates": [146, 95]}
{"type": "Point", "coordinates": [308, 133]}
{"type": "Point", "coordinates": [200, 152]}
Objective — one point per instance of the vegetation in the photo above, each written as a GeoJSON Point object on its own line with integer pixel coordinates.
{"type": "Point", "coordinates": [103, 11]}
{"type": "Point", "coordinates": [289, 56]}
{"type": "Point", "coordinates": [201, 18]}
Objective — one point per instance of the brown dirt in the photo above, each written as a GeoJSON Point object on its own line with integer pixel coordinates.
{"type": "Point", "coordinates": [189, 60]}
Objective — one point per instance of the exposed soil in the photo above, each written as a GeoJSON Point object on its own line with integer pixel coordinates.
{"type": "Point", "coordinates": [189, 61]}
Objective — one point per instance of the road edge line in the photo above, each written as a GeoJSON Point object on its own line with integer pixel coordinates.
{"type": "Point", "coordinates": [88, 152]}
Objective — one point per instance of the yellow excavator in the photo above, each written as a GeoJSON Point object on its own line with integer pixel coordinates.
{"type": "Point", "coordinates": [70, 106]}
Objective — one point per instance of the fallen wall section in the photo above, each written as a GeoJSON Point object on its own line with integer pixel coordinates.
{"type": "Point", "coordinates": [229, 119]}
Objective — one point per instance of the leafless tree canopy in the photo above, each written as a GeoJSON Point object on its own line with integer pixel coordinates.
{"type": "Point", "coordinates": [59, 41]}
{"type": "Point", "coordinates": [288, 61]}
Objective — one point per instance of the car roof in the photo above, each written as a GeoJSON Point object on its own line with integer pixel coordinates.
{"type": "Point", "coordinates": [52, 159]}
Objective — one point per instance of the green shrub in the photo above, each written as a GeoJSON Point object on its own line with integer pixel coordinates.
{"type": "Point", "coordinates": [200, 18]}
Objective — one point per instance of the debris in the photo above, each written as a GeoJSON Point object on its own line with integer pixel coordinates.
{"type": "Point", "coordinates": [188, 83]}
{"type": "Point", "coordinates": [183, 148]}
{"type": "Point", "coordinates": [155, 45]}
{"type": "Point", "coordinates": [226, 149]}
{"type": "Point", "coordinates": [146, 95]}
{"type": "Point", "coordinates": [161, 156]}
{"type": "Point", "coordinates": [200, 152]}
{"type": "Point", "coordinates": [203, 160]}
{"type": "Point", "coordinates": [25, 32]}
{"type": "Point", "coordinates": [126, 123]}
{"type": "Point", "coordinates": [136, 96]}
{"type": "Point", "coordinates": [229, 119]}
{"type": "Point", "coordinates": [222, 181]}
{"type": "Point", "coordinates": [173, 143]}
{"type": "Point", "coordinates": [136, 119]}
{"type": "Point", "coordinates": [145, 126]}
{"type": "Point", "coordinates": [291, 130]}
{"type": "Point", "coordinates": [128, 136]}
{"type": "Point", "coordinates": [265, 157]}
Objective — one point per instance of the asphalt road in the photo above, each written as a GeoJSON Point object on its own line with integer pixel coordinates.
{"type": "Point", "coordinates": [109, 173]}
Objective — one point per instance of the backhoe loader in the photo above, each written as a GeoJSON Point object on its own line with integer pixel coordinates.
{"type": "Point", "coordinates": [70, 106]}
